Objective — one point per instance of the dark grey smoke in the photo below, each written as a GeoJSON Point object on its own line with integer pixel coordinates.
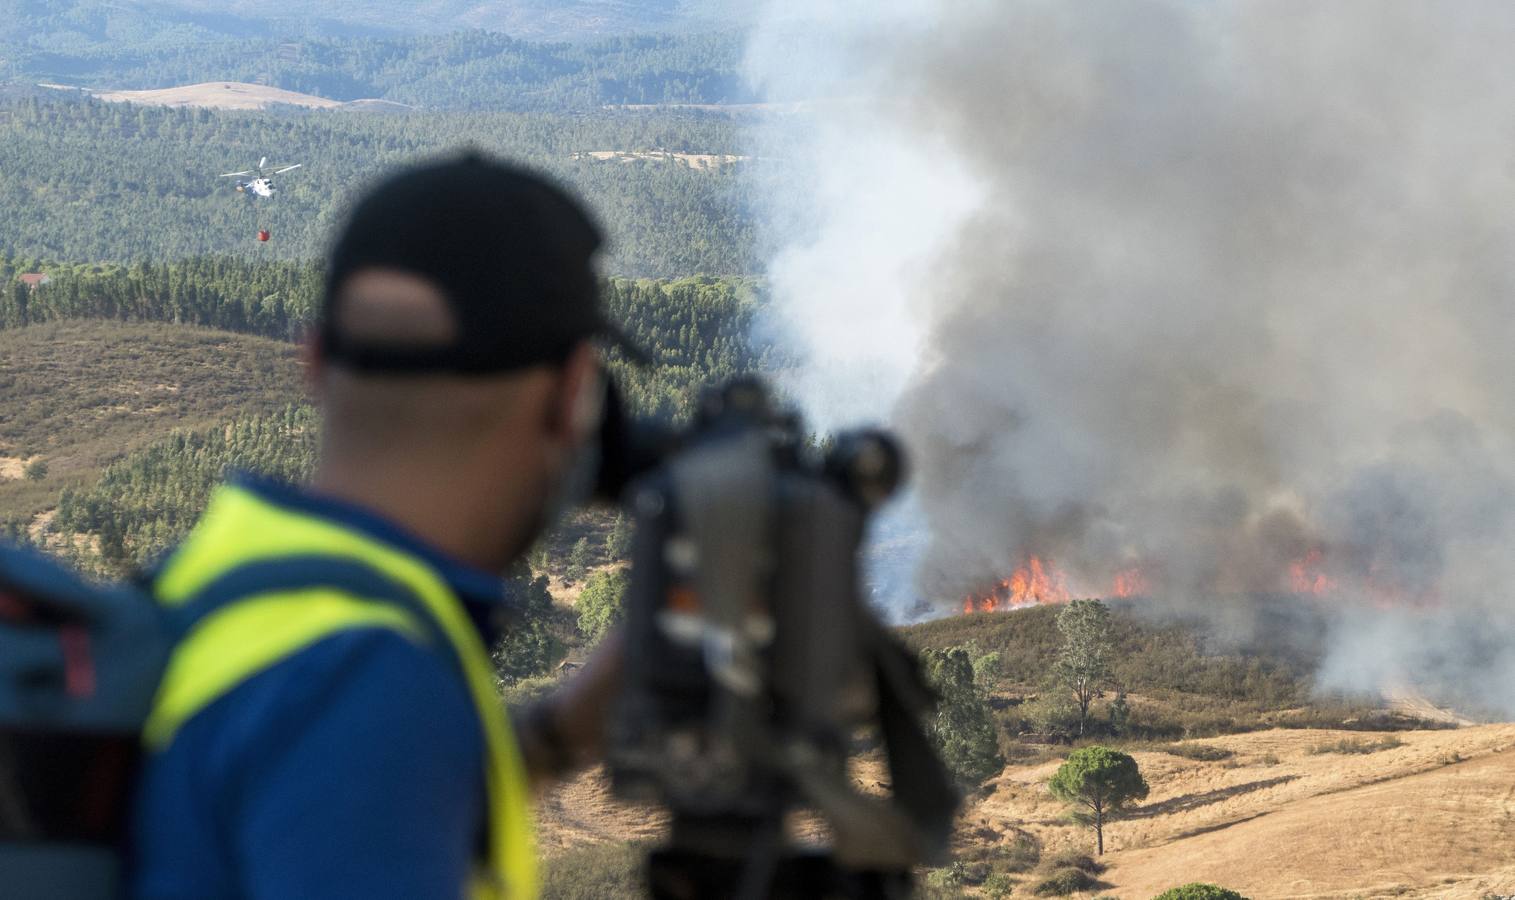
{"type": "Point", "coordinates": [1221, 291]}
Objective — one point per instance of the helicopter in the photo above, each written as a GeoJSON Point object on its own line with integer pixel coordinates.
{"type": "Point", "coordinates": [261, 184]}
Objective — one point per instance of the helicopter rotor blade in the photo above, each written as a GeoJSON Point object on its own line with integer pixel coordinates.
{"type": "Point", "coordinates": [287, 168]}
{"type": "Point", "coordinates": [262, 162]}
{"type": "Point", "coordinates": [236, 174]}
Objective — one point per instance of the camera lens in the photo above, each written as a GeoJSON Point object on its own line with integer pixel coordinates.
{"type": "Point", "coordinates": [869, 465]}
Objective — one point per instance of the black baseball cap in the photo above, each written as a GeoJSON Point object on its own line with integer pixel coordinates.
{"type": "Point", "coordinates": [512, 253]}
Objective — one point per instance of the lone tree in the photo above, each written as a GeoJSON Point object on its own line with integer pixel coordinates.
{"type": "Point", "coordinates": [1083, 663]}
{"type": "Point", "coordinates": [578, 561]}
{"type": "Point", "coordinates": [599, 605]}
{"type": "Point", "coordinates": [962, 729]}
{"type": "Point", "coordinates": [1099, 782]}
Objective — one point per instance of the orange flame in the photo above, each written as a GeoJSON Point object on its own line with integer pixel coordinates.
{"type": "Point", "coordinates": [1130, 582]}
{"type": "Point", "coordinates": [1306, 577]}
{"type": "Point", "coordinates": [1035, 582]}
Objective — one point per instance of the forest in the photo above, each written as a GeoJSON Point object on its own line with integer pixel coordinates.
{"type": "Point", "coordinates": [85, 180]}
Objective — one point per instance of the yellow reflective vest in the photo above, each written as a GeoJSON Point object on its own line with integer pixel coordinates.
{"type": "Point", "coordinates": [240, 634]}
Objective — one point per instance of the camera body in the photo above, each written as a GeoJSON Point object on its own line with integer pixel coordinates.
{"type": "Point", "coordinates": [752, 661]}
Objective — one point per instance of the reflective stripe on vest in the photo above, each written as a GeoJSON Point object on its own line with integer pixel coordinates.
{"type": "Point", "coordinates": [237, 641]}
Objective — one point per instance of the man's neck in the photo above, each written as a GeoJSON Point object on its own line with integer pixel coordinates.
{"type": "Point", "coordinates": [449, 512]}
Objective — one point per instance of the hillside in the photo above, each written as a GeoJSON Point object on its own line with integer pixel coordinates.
{"type": "Point", "coordinates": [1434, 817]}
{"type": "Point", "coordinates": [1283, 815]}
{"type": "Point", "coordinates": [79, 394]}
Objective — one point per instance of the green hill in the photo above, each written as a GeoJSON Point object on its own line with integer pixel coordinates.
{"type": "Point", "coordinates": [169, 406]}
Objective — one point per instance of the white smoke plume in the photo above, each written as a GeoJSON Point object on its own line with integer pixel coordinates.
{"type": "Point", "coordinates": [1218, 293]}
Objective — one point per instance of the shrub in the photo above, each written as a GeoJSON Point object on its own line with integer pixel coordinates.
{"type": "Point", "coordinates": [1352, 745]}
{"type": "Point", "coordinates": [1063, 882]}
{"type": "Point", "coordinates": [1021, 856]}
{"type": "Point", "coordinates": [599, 605]}
{"type": "Point", "coordinates": [526, 691]}
{"type": "Point", "coordinates": [998, 886]}
{"type": "Point", "coordinates": [1053, 713]}
{"type": "Point", "coordinates": [987, 668]}
{"type": "Point", "coordinates": [1197, 891]}
{"type": "Point", "coordinates": [943, 880]}
{"type": "Point", "coordinates": [36, 470]}
{"type": "Point", "coordinates": [1201, 752]}
{"type": "Point", "coordinates": [1072, 859]}
{"type": "Point", "coordinates": [529, 647]}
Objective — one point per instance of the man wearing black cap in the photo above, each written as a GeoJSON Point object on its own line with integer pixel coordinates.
{"type": "Point", "coordinates": [328, 726]}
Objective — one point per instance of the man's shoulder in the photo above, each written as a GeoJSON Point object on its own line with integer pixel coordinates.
{"type": "Point", "coordinates": [362, 674]}
{"type": "Point", "coordinates": [345, 737]}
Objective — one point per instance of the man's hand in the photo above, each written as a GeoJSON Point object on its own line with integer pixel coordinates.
{"type": "Point", "coordinates": [565, 730]}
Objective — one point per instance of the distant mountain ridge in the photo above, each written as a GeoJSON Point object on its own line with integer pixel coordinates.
{"type": "Point", "coordinates": [132, 45]}
{"type": "Point", "coordinates": [76, 25]}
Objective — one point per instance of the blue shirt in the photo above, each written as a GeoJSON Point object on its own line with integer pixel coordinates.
{"type": "Point", "coordinates": [353, 768]}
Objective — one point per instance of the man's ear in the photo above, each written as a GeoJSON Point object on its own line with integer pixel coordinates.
{"type": "Point", "coordinates": [580, 401]}
{"type": "Point", "coordinates": [312, 364]}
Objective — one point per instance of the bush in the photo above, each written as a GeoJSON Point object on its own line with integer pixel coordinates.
{"type": "Point", "coordinates": [1063, 882]}
{"type": "Point", "coordinates": [594, 872]}
{"type": "Point", "coordinates": [1072, 859]}
{"type": "Point", "coordinates": [599, 605]}
{"type": "Point", "coordinates": [987, 668]}
{"type": "Point", "coordinates": [1346, 745]}
{"type": "Point", "coordinates": [1021, 856]}
{"type": "Point", "coordinates": [529, 647]}
{"type": "Point", "coordinates": [1199, 891]}
{"type": "Point", "coordinates": [998, 886]}
{"type": "Point", "coordinates": [1201, 752]}
{"type": "Point", "coordinates": [526, 691]}
{"type": "Point", "coordinates": [1052, 713]}
{"type": "Point", "coordinates": [36, 470]}
{"type": "Point", "coordinates": [943, 882]}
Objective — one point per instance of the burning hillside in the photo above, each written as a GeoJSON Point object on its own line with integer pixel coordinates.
{"type": "Point", "coordinates": [1040, 581]}
{"type": "Point", "coordinates": [1219, 289]}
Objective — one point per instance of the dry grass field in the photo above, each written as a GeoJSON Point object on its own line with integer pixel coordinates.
{"type": "Point", "coordinates": [1290, 813]}
{"type": "Point", "coordinates": [220, 95]}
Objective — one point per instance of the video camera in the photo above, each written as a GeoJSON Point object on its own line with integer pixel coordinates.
{"type": "Point", "coordinates": [753, 663]}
